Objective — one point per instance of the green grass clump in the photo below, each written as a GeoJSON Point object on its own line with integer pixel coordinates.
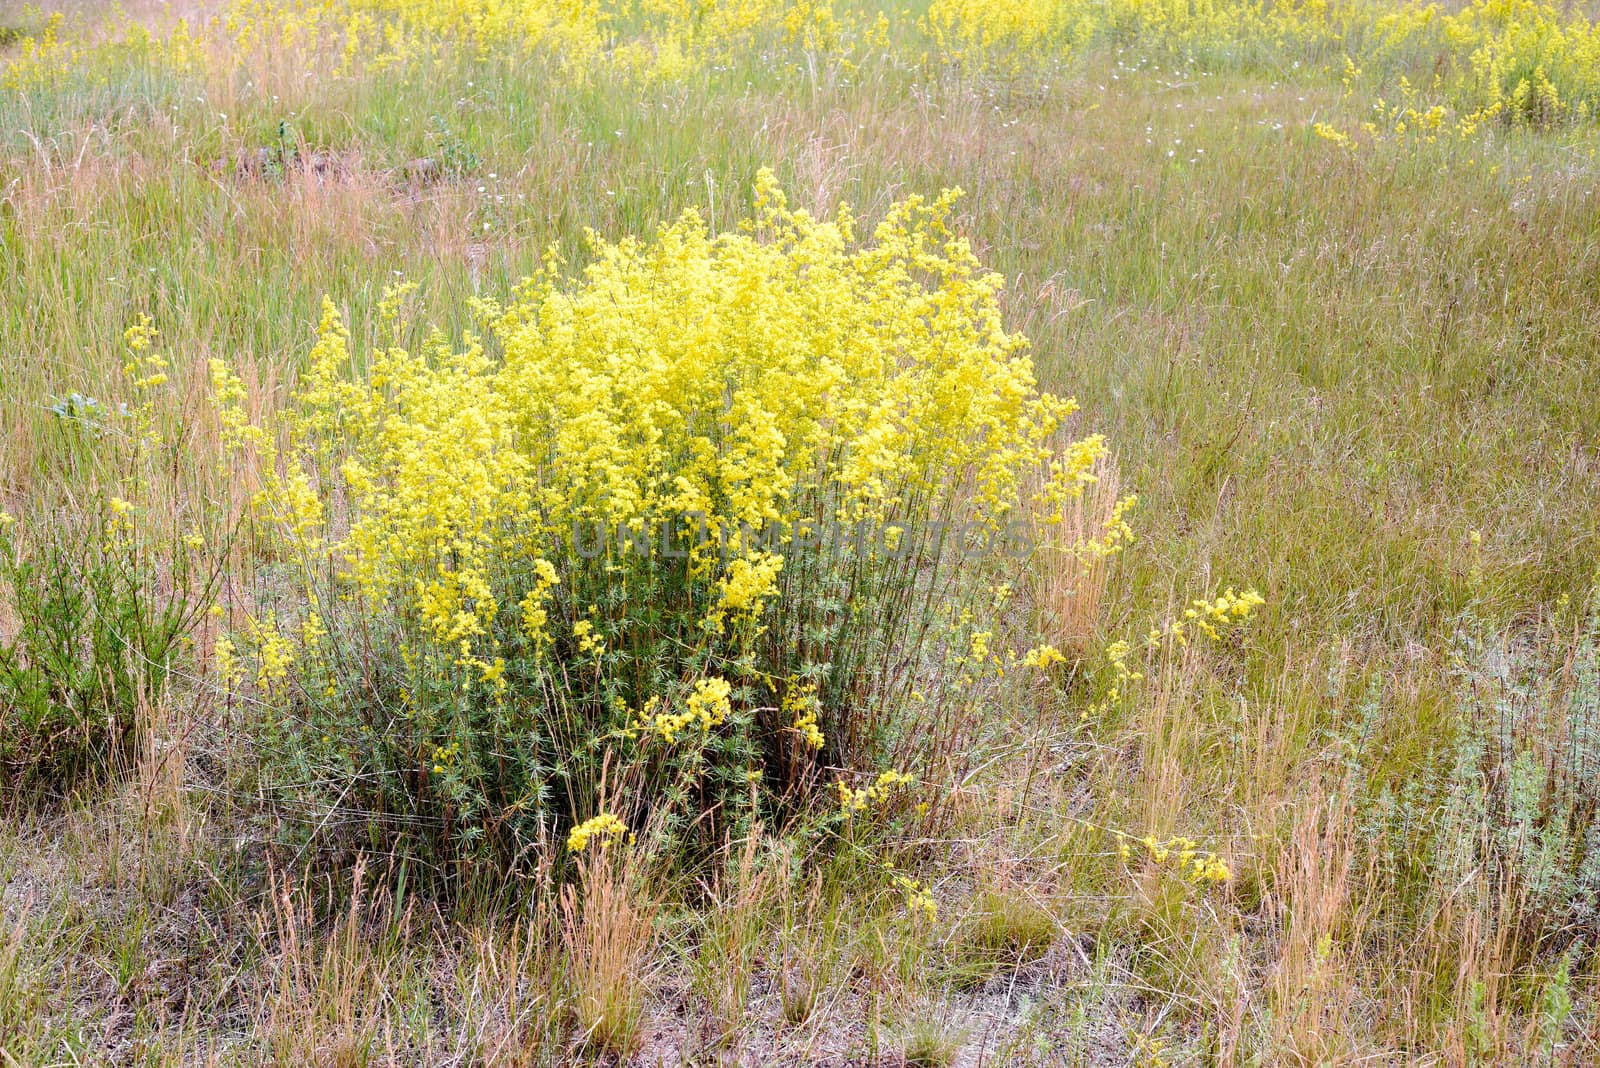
{"type": "Point", "coordinates": [1004, 929]}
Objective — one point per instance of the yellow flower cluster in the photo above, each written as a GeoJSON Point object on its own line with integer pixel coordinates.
{"type": "Point", "coordinates": [535, 616]}
{"type": "Point", "coordinates": [1117, 534]}
{"type": "Point", "coordinates": [602, 829]}
{"type": "Point", "coordinates": [588, 641]}
{"type": "Point", "coordinates": [852, 801]}
{"type": "Point", "coordinates": [1196, 864]}
{"type": "Point", "coordinates": [225, 658]}
{"type": "Point", "coordinates": [1211, 618]}
{"type": "Point", "coordinates": [1043, 657]}
{"type": "Point", "coordinates": [708, 702]}
{"type": "Point", "coordinates": [147, 370]}
{"type": "Point", "coordinates": [919, 899]}
{"type": "Point", "coordinates": [810, 733]}
{"type": "Point", "coordinates": [707, 706]}
{"type": "Point", "coordinates": [274, 654]}
{"type": "Point", "coordinates": [1122, 675]}
{"type": "Point", "coordinates": [1229, 609]}
{"type": "Point", "coordinates": [444, 755]}
{"type": "Point", "coordinates": [723, 383]}
{"type": "Point", "coordinates": [43, 60]}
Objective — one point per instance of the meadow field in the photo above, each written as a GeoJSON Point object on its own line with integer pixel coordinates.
{"type": "Point", "coordinates": [696, 532]}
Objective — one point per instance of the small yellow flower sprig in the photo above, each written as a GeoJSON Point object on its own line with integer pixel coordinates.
{"type": "Point", "coordinates": [800, 704]}
{"type": "Point", "coordinates": [1226, 611]}
{"type": "Point", "coordinates": [225, 658]}
{"type": "Point", "coordinates": [1043, 657]}
{"type": "Point", "coordinates": [751, 581]}
{"type": "Point", "coordinates": [444, 756]}
{"type": "Point", "coordinates": [122, 512]}
{"type": "Point", "coordinates": [588, 641]}
{"type": "Point", "coordinates": [1333, 134]}
{"type": "Point", "coordinates": [1211, 618]}
{"type": "Point", "coordinates": [146, 371]}
{"type": "Point", "coordinates": [1118, 533]}
{"type": "Point", "coordinates": [145, 368]}
{"type": "Point", "coordinates": [238, 432]}
{"type": "Point", "coordinates": [274, 654]}
{"type": "Point", "coordinates": [603, 830]}
{"type": "Point", "coordinates": [535, 616]}
{"type": "Point", "coordinates": [920, 902]}
{"type": "Point", "coordinates": [852, 801]}
{"type": "Point", "coordinates": [709, 701]}
{"type": "Point", "coordinates": [1122, 676]}
{"type": "Point", "coordinates": [1196, 864]}
{"type": "Point", "coordinates": [810, 733]}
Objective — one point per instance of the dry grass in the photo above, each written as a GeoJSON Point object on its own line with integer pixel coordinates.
{"type": "Point", "coordinates": [608, 929]}
{"type": "Point", "coordinates": [327, 986]}
{"type": "Point", "coordinates": [1070, 582]}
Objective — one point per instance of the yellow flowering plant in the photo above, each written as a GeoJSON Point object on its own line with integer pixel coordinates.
{"type": "Point", "coordinates": [676, 512]}
{"type": "Point", "coordinates": [103, 594]}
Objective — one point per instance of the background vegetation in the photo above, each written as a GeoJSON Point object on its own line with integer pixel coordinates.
{"type": "Point", "coordinates": [1325, 276]}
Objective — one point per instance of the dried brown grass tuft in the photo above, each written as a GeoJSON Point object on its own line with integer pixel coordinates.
{"type": "Point", "coordinates": [1071, 580]}
{"type": "Point", "coordinates": [608, 925]}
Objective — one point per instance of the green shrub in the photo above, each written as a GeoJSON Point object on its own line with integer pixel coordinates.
{"type": "Point", "coordinates": [95, 627]}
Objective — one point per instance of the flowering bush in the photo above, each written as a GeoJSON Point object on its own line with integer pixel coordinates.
{"type": "Point", "coordinates": [678, 526]}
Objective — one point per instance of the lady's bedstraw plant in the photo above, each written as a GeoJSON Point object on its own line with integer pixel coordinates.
{"type": "Point", "coordinates": [101, 592]}
{"type": "Point", "coordinates": [683, 512]}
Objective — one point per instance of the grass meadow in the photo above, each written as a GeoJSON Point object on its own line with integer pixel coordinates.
{"type": "Point", "coordinates": [1276, 742]}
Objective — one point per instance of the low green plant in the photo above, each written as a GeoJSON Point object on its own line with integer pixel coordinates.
{"type": "Point", "coordinates": [96, 594]}
{"type": "Point", "coordinates": [1506, 803]}
{"type": "Point", "coordinates": [929, 1042]}
{"type": "Point", "coordinates": [1004, 929]}
{"type": "Point", "coordinates": [97, 623]}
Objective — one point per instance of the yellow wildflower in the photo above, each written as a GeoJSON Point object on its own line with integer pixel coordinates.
{"type": "Point", "coordinates": [602, 829]}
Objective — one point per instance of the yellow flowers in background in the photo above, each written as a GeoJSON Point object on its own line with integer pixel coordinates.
{"type": "Point", "coordinates": [655, 39]}
{"type": "Point", "coordinates": [1526, 61]}
{"type": "Point", "coordinates": [1533, 62]}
